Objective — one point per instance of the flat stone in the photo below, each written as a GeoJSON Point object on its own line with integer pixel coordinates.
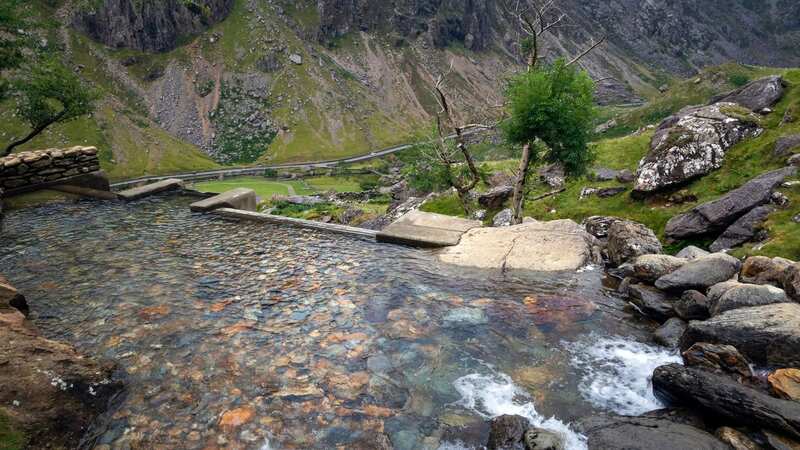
{"type": "Point", "coordinates": [700, 274]}
{"type": "Point", "coordinates": [429, 230]}
{"type": "Point", "coordinates": [533, 246]}
{"type": "Point", "coordinates": [743, 230]}
{"type": "Point", "coordinates": [764, 334]}
{"type": "Point", "coordinates": [150, 189]}
{"type": "Point", "coordinates": [239, 198]}
{"type": "Point", "coordinates": [745, 295]}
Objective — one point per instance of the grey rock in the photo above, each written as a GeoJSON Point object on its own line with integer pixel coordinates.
{"type": "Point", "coordinates": [495, 197]}
{"type": "Point", "coordinates": [626, 176]}
{"type": "Point", "coordinates": [692, 252]}
{"type": "Point", "coordinates": [743, 230]}
{"type": "Point", "coordinates": [503, 218]}
{"type": "Point", "coordinates": [780, 199]}
{"type": "Point", "coordinates": [757, 95]}
{"type": "Point", "coordinates": [627, 240]}
{"type": "Point", "coordinates": [692, 305]}
{"type": "Point", "coordinates": [718, 290]}
{"type": "Point", "coordinates": [651, 302]}
{"type": "Point", "coordinates": [598, 226]}
{"type": "Point", "coordinates": [304, 200]}
{"type": "Point", "coordinates": [604, 174]}
{"type": "Point", "coordinates": [507, 433]}
{"type": "Point", "coordinates": [553, 175]}
{"type": "Point", "coordinates": [746, 295]}
{"type": "Point", "coordinates": [669, 335]}
{"type": "Point", "coordinates": [726, 398]}
{"type": "Point", "coordinates": [540, 439]}
{"type": "Point", "coordinates": [786, 145]}
{"type": "Point", "coordinates": [700, 274]}
{"type": "Point", "coordinates": [610, 192]}
{"type": "Point", "coordinates": [650, 268]}
{"type": "Point", "coordinates": [465, 316]}
{"type": "Point", "coordinates": [791, 281]}
{"type": "Point", "coordinates": [794, 161]}
{"type": "Point", "coordinates": [296, 59]}
{"type": "Point", "coordinates": [765, 334]}
{"type": "Point", "coordinates": [719, 214]}
{"type": "Point", "coordinates": [478, 215]}
{"type": "Point", "coordinates": [690, 144]}
{"type": "Point", "coordinates": [606, 432]}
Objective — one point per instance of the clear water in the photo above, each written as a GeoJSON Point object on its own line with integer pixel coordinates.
{"type": "Point", "coordinates": [245, 335]}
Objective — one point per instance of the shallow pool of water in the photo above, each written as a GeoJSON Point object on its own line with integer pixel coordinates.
{"type": "Point", "coordinates": [246, 335]}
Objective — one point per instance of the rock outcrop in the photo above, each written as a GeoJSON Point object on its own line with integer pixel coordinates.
{"type": "Point", "coordinates": [756, 95]}
{"type": "Point", "coordinates": [692, 143]}
{"type": "Point", "coordinates": [715, 216]}
{"type": "Point", "coordinates": [151, 25]}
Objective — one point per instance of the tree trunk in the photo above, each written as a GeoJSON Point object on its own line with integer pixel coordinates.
{"type": "Point", "coordinates": [30, 136]}
{"type": "Point", "coordinates": [519, 186]}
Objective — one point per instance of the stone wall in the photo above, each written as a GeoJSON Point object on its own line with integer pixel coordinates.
{"type": "Point", "coordinates": [21, 171]}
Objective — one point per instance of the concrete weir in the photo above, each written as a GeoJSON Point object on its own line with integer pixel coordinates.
{"type": "Point", "coordinates": [150, 189]}
{"type": "Point", "coordinates": [428, 230]}
{"type": "Point", "coordinates": [240, 198]}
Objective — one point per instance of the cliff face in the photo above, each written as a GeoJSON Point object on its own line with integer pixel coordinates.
{"type": "Point", "coordinates": [152, 25]}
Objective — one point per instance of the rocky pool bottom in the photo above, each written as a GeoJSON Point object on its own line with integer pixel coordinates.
{"type": "Point", "coordinates": [242, 335]}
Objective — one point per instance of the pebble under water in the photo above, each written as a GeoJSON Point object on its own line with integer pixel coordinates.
{"type": "Point", "coordinates": [248, 335]}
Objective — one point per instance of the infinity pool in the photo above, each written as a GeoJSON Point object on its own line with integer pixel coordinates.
{"type": "Point", "coordinates": [245, 335]}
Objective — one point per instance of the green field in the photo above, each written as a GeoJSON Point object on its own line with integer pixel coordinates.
{"type": "Point", "coordinates": [264, 188]}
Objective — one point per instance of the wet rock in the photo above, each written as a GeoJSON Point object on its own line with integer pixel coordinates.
{"type": "Point", "coordinates": [553, 175]}
{"type": "Point", "coordinates": [503, 218]}
{"type": "Point", "coordinates": [726, 398]}
{"type": "Point", "coordinates": [598, 226]}
{"type": "Point", "coordinates": [763, 270]}
{"type": "Point", "coordinates": [651, 302]}
{"type": "Point", "coordinates": [765, 334]}
{"type": "Point", "coordinates": [507, 433]}
{"type": "Point", "coordinates": [495, 197]}
{"type": "Point", "coordinates": [692, 252]}
{"type": "Point", "coordinates": [745, 295]}
{"type": "Point", "coordinates": [650, 268]}
{"type": "Point", "coordinates": [718, 214]}
{"type": "Point", "coordinates": [743, 230]}
{"type": "Point", "coordinates": [627, 240]}
{"type": "Point", "coordinates": [756, 95]}
{"type": "Point", "coordinates": [700, 274]}
{"type": "Point", "coordinates": [644, 433]}
{"type": "Point", "coordinates": [791, 281]}
{"type": "Point", "coordinates": [691, 143]}
{"type": "Point", "coordinates": [779, 442]}
{"type": "Point", "coordinates": [692, 305]}
{"type": "Point", "coordinates": [465, 317]}
{"type": "Point", "coordinates": [786, 145]}
{"type": "Point", "coordinates": [785, 384]}
{"type": "Point", "coordinates": [669, 335]}
{"type": "Point", "coordinates": [736, 439]}
{"type": "Point", "coordinates": [539, 439]}
{"type": "Point", "coordinates": [718, 358]}
{"type": "Point", "coordinates": [610, 192]}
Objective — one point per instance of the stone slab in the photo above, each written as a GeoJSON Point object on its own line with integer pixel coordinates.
{"type": "Point", "coordinates": [290, 221]}
{"type": "Point", "coordinates": [427, 230]}
{"type": "Point", "coordinates": [533, 246]}
{"type": "Point", "coordinates": [239, 198]}
{"type": "Point", "coordinates": [150, 189]}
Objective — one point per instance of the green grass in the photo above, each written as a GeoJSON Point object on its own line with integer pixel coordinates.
{"type": "Point", "coordinates": [264, 188]}
{"type": "Point", "coordinates": [10, 437]}
{"type": "Point", "coordinates": [340, 184]}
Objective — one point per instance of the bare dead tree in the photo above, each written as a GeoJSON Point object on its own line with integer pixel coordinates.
{"type": "Point", "coordinates": [535, 19]}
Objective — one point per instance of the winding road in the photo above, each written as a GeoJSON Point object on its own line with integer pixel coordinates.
{"type": "Point", "coordinates": [259, 170]}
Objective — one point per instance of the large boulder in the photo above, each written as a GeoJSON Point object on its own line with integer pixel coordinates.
{"type": "Point", "coordinates": [692, 305]}
{"type": "Point", "coordinates": [765, 334]}
{"type": "Point", "coordinates": [743, 230]}
{"type": "Point", "coordinates": [746, 295]}
{"type": "Point", "coordinates": [651, 302]}
{"type": "Point", "coordinates": [791, 281]}
{"type": "Point", "coordinates": [692, 143]}
{"type": "Point", "coordinates": [644, 433]}
{"type": "Point", "coordinates": [627, 240]}
{"type": "Point", "coordinates": [726, 398]}
{"type": "Point", "coordinates": [756, 95]}
{"type": "Point", "coordinates": [764, 270]}
{"type": "Point", "coordinates": [717, 215]}
{"type": "Point", "coordinates": [598, 226]}
{"type": "Point", "coordinates": [692, 252]}
{"type": "Point", "coordinates": [495, 197]}
{"type": "Point", "coordinates": [700, 274]}
{"type": "Point", "coordinates": [650, 268]}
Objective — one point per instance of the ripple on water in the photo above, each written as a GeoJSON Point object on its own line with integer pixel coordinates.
{"type": "Point", "coordinates": [616, 373]}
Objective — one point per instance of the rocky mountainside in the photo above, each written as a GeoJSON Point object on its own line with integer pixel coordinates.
{"type": "Point", "coordinates": [291, 80]}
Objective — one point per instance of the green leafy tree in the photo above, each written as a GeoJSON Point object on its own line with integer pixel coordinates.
{"type": "Point", "coordinates": [553, 106]}
{"type": "Point", "coordinates": [10, 46]}
{"type": "Point", "coordinates": [50, 94]}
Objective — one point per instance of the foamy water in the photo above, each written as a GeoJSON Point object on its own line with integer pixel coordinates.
{"type": "Point", "coordinates": [495, 394]}
{"type": "Point", "coordinates": [617, 373]}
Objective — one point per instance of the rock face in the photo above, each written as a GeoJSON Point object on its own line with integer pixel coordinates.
{"type": "Point", "coordinates": [533, 246]}
{"type": "Point", "coordinates": [726, 398]}
{"type": "Point", "coordinates": [26, 169]}
{"type": "Point", "coordinates": [743, 230]}
{"type": "Point", "coordinates": [757, 95]}
{"type": "Point", "coordinates": [627, 240]}
{"type": "Point", "coordinates": [690, 144]}
{"type": "Point", "coordinates": [746, 295]}
{"type": "Point", "coordinates": [700, 274]}
{"type": "Point", "coordinates": [765, 334]}
{"type": "Point", "coordinates": [151, 25]}
{"type": "Point", "coordinates": [644, 433]}
{"type": "Point", "coordinates": [717, 215]}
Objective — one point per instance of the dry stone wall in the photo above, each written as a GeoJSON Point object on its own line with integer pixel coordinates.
{"type": "Point", "coordinates": [26, 169]}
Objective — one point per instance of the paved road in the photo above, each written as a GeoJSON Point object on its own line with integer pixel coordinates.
{"type": "Point", "coordinates": [259, 170]}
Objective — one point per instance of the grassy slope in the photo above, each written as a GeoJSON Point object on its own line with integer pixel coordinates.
{"type": "Point", "coordinates": [743, 162]}
{"type": "Point", "coordinates": [264, 188]}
